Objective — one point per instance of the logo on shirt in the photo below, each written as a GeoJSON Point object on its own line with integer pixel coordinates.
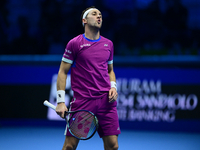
{"type": "Point", "coordinates": [105, 44]}
{"type": "Point", "coordinates": [85, 45]}
{"type": "Point", "coordinates": [68, 51]}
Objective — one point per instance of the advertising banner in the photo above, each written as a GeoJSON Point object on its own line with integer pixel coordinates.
{"type": "Point", "coordinates": [149, 94]}
{"type": "Point", "coordinates": [148, 97]}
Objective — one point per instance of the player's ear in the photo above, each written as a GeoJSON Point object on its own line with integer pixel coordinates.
{"type": "Point", "coordinates": [84, 21]}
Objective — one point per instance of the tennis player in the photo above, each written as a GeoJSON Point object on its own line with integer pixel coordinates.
{"type": "Point", "coordinates": [93, 80]}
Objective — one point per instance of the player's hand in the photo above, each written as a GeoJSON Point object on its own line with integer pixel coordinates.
{"type": "Point", "coordinates": [61, 109]}
{"type": "Point", "coordinates": [112, 95]}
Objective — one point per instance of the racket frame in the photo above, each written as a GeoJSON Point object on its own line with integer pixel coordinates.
{"type": "Point", "coordinates": [67, 119]}
{"type": "Point", "coordinates": [70, 117]}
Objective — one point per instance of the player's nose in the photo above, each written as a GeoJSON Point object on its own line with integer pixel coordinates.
{"type": "Point", "coordinates": [98, 16]}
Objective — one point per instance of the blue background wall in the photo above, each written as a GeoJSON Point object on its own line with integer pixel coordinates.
{"type": "Point", "coordinates": [152, 97]}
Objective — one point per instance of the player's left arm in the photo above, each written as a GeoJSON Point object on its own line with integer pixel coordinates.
{"type": "Point", "coordinates": [113, 91]}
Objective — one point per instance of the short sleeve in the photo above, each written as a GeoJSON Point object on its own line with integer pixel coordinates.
{"type": "Point", "coordinates": [69, 53]}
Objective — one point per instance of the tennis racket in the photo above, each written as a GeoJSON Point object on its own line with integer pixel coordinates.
{"type": "Point", "coordinates": [82, 124]}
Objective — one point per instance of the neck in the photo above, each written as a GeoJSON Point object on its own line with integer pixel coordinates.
{"type": "Point", "coordinates": [92, 34]}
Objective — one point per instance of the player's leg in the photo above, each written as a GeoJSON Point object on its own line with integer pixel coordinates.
{"type": "Point", "coordinates": [77, 104]}
{"type": "Point", "coordinates": [108, 123]}
{"type": "Point", "coordinates": [70, 143]}
{"type": "Point", "coordinates": [110, 142]}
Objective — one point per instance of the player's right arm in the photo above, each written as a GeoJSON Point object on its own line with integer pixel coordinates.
{"type": "Point", "coordinates": [61, 84]}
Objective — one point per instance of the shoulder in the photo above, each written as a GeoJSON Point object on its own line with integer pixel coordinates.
{"type": "Point", "coordinates": [76, 39]}
{"type": "Point", "coordinates": [106, 40]}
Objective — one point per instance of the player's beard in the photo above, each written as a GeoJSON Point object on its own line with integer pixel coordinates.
{"type": "Point", "coordinates": [95, 26]}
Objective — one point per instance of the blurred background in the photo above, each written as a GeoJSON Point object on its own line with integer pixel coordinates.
{"type": "Point", "coordinates": [137, 27]}
{"type": "Point", "coordinates": [156, 62]}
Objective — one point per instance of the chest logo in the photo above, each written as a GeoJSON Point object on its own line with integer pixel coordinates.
{"type": "Point", "coordinates": [85, 45]}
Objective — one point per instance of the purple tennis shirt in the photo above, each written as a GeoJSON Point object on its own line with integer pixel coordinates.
{"type": "Point", "coordinates": [89, 76]}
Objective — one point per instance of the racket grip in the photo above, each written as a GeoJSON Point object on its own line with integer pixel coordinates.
{"type": "Point", "coordinates": [46, 103]}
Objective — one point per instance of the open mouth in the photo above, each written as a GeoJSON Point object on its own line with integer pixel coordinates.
{"type": "Point", "coordinates": [99, 21]}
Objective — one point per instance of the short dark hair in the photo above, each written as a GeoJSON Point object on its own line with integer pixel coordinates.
{"type": "Point", "coordinates": [85, 11]}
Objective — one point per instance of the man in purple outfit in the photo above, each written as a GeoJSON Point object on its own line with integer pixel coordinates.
{"type": "Point", "coordinates": [93, 80]}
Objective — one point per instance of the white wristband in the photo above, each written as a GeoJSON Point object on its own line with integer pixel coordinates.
{"type": "Point", "coordinates": [60, 96]}
{"type": "Point", "coordinates": [113, 84]}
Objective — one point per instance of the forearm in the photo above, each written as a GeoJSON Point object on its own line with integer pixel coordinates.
{"type": "Point", "coordinates": [112, 76]}
{"type": "Point", "coordinates": [113, 91]}
{"type": "Point", "coordinates": [61, 81]}
{"type": "Point", "coordinates": [62, 75]}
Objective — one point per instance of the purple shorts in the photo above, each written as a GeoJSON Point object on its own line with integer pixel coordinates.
{"type": "Point", "coordinates": [106, 113]}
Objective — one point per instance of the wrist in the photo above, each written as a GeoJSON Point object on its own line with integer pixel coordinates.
{"type": "Point", "coordinates": [60, 96]}
{"type": "Point", "coordinates": [113, 84]}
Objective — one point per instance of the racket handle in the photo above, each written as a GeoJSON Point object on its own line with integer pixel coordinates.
{"type": "Point", "coordinates": [46, 103]}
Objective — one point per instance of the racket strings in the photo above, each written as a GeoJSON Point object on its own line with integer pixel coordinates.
{"type": "Point", "coordinates": [75, 117]}
{"type": "Point", "coordinates": [93, 127]}
{"type": "Point", "coordinates": [84, 115]}
{"type": "Point", "coordinates": [83, 124]}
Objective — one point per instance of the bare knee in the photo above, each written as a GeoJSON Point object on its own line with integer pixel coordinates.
{"type": "Point", "coordinates": [110, 143]}
{"type": "Point", "coordinates": [70, 143]}
{"type": "Point", "coordinates": [69, 147]}
{"type": "Point", "coordinates": [112, 146]}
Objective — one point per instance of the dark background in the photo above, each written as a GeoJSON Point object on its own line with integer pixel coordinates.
{"type": "Point", "coordinates": [136, 27]}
